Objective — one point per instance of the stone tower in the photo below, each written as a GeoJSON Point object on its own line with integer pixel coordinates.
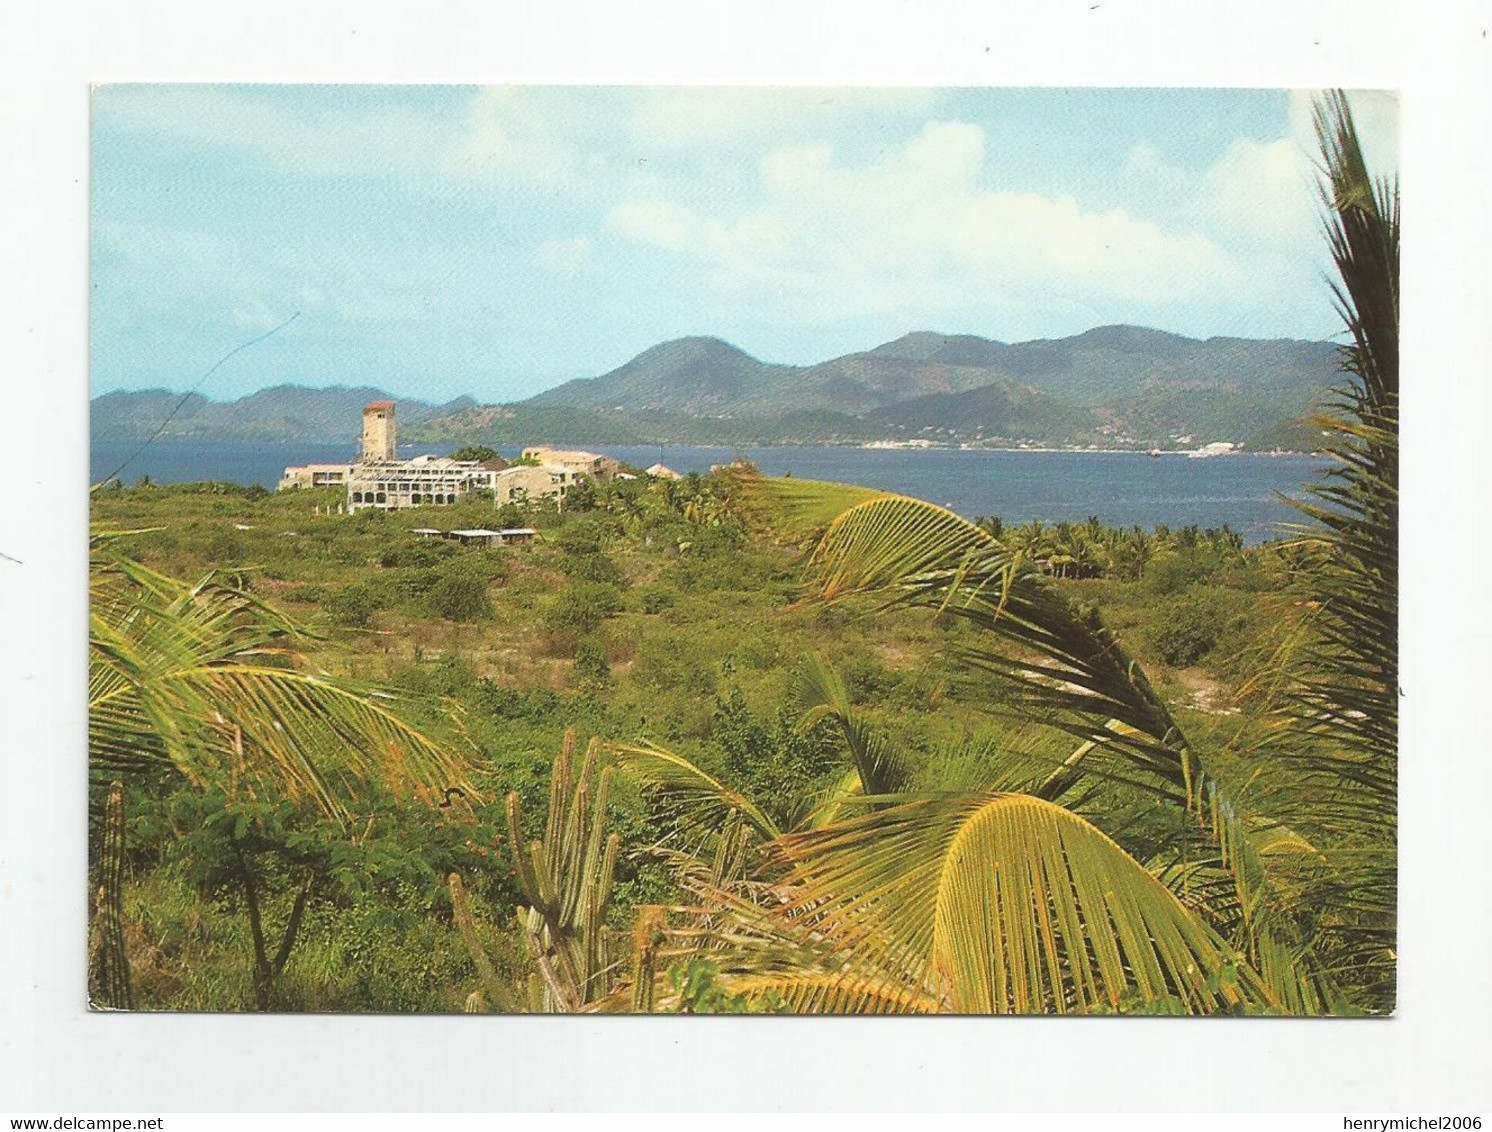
{"type": "Point", "coordinates": [379, 432]}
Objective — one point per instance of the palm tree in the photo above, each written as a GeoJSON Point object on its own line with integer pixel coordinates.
{"type": "Point", "coordinates": [872, 901]}
{"type": "Point", "coordinates": [697, 803]}
{"type": "Point", "coordinates": [1267, 891]}
{"type": "Point", "coordinates": [962, 902]}
{"type": "Point", "coordinates": [205, 681]}
{"type": "Point", "coordinates": [1301, 887]}
{"type": "Point", "coordinates": [1339, 724]}
{"type": "Point", "coordinates": [210, 682]}
{"type": "Point", "coordinates": [1071, 673]}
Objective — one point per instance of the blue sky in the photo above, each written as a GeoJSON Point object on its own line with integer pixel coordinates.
{"type": "Point", "coordinates": [497, 241]}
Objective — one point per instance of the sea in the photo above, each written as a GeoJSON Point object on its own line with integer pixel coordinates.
{"type": "Point", "coordinates": [1241, 490]}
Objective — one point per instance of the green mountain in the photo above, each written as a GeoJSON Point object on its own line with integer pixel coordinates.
{"type": "Point", "coordinates": [1114, 386]}
{"type": "Point", "coordinates": [280, 413]}
{"type": "Point", "coordinates": [1119, 385]}
{"type": "Point", "coordinates": [692, 376]}
{"type": "Point", "coordinates": [1004, 412]}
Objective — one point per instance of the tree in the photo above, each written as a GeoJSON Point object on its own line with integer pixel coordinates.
{"type": "Point", "coordinates": [207, 682]}
{"type": "Point", "coordinates": [1340, 717]}
{"type": "Point", "coordinates": [1266, 888]}
{"type": "Point", "coordinates": [581, 496]}
{"type": "Point", "coordinates": [976, 902]}
{"type": "Point", "coordinates": [879, 899]}
{"type": "Point", "coordinates": [478, 453]}
{"type": "Point", "coordinates": [460, 595]}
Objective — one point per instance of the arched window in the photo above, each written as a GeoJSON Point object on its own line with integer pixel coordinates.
{"type": "Point", "coordinates": [357, 497]}
{"type": "Point", "coordinates": [380, 497]}
{"type": "Point", "coordinates": [415, 498]}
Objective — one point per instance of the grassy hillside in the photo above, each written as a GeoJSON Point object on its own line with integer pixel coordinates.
{"type": "Point", "coordinates": [653, 616]}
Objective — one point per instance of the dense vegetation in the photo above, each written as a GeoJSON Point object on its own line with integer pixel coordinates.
{"type": "Point", "coordinates": [765, 745]}
{"type": "Point", "coordinates": [654, 617]}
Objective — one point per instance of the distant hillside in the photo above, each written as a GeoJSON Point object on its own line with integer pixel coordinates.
{"type": "Point", "coordinates": [281, 413]}
{"type": "Point", "coordinates": [1114, 386]}
{"type": "Point", "coordinates": [1111, 385]}
{"type": "Point", "coordinates": [692, 376]}
{"type": "Point", "coordinates": [531, 423]}
{"type": "Point", "coordinates": [1004, 411]}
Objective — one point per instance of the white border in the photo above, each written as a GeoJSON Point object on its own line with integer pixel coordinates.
{"type": "Point", "coordinates": [55, 1057]}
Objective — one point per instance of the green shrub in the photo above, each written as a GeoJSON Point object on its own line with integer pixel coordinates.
{"type": "Point", "coordinates": [512, 515]}
{"type": "Point", "coordinates": [350, 606]}
{"type": "Point", "coordinates": [426, 552]}
{"type": "Point", "coordinates": [656, 600]}
{"type": "Point", "coordinates": [580, 537]}
{"type": "Point", "coordinates": [478, 452]}
{"type": "Point", "coordinates": [590, 660]}
{"type": "Point", "coordinates": [581, 496]}
{"type": "Point", "coordinates": [773, 759]}
{"type": "Point", "coordinates": [595, 568]}
{"type": "Point", "coordinates": [1186, 627]}
{"type": "Point", "coordinates": [460, 596]}
{"type": "Point", "coordinates": [583, 606]}
{"type": "Point", "coordinates": [1169, 573]}
{"type": "Point", "coordinates": [224, 548]}
{"type": "Point", "coordinates": [686, 662]}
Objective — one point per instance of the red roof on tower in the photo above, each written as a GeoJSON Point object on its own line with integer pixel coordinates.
{"type": "Point", "coordinates": [379, 405]}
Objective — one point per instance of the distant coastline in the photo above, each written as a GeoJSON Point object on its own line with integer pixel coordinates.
{"type": "Point", "coordinates": [1122, 488]}
{"type": "Point", "coordinates": [1109, 389]}
{"type": "Point", "coordinates": [915, 446]}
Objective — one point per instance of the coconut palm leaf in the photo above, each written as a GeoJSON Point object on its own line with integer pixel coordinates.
{"type": "Point", "coordinates": [819, 694]}
{"type": "Point", "coordinates": [1057, 657]}
{"type": "Point", "coordinates": [830, 992]}
{"type": "Point", "coordinates": [1337, 732]}
{"type": "Point", "coordinates": [1068, 669]}
{"type": "Point", "coordinates": [208, 680]}
{"type": "Point", "coordinates": [1348, 678]}
{"type": "Point", "coordinates": [1006, 903]}
{"type": "Point", "coordinates": [696, 802]}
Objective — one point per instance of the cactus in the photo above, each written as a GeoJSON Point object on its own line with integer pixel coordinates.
{"type": "Point", "coordinates": [109, 964]}
{"type": "Point", "coordinates": [494, 994]}
{"type": "Point", "coordinates": [647, 938]}
{"type": "Point", "coordinates": [567, 880]}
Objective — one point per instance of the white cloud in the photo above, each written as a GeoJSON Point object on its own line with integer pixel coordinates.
{"type": "Point", "coordinates": [915, 234]}
{"type": "Point", "coordinates": [509, 135]}
{"type": "Point", "coordinates": [1260, 192]}
{"type": "Point", "coordinates": [1263, 196]}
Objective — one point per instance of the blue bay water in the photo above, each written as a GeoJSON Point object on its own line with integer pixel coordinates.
{"type": "Point", "coordinates": [1121, 488]}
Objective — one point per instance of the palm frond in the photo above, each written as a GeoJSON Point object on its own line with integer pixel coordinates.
{"type": "Point", "coordinates": [698, 803]}
{"type": "Point", "coordinates": [207, 679]}
{"type": "Point", "coordinates": [1009, 904]}
{"type": "Point", "coordinates": [1056, 657]}
{"type": "Point", "coordinates": [1068, 671]}
{"type": "Point", "coordinates": [819, 693]}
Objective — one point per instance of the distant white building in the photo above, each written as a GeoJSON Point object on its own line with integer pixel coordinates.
{"type": "Point", "coordinates": [379, 479]}
{"type": "Point", "coordinates": [424, 481]}
{"type": "Point", "coordinates": [1216, 448]}
{"type": "Point", "coordinates": [523, 483]}
{"type": "Point", "coordinates": [315, 475]}
{"type": "Point", "coordinates": [599, 468]}
{"type": "Point", "coordinates": [663, 472]}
